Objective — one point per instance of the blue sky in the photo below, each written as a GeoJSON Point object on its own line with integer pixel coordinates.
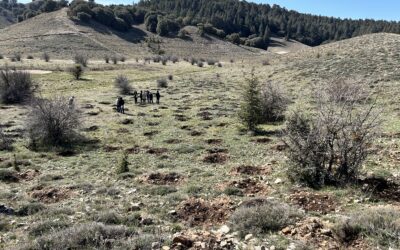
{"type": "Point", "coordinates": [356, 9]}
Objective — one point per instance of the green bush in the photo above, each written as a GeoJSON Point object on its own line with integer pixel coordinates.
{"type": "Point", "coordinates": [15, 86]}
{"type": "Point", "coordinates": [30, 209]}
{"type": "Point", "coordinates": [76, 71]}
{"type": "Point", "coordinates": [123, 165]}
{"type": "Point", "coordinates": [84, 17]}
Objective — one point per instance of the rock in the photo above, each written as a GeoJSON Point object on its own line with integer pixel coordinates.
{"type": "Point", "coordinates": [326, 232]}
{"type": "Point", "coordinates": [286, 230]}
{"type": "Point", "coordinates": [147, 221]}
{"type": "Point", "coordinates": [183, 240]}
{"type": "Point", "coordinates": [248, 237]}
{"type": "Point", "coordinates": [278, 181]}
{"type": "Point", "coordinates": [224, 243]}
{"type": "Point", "coordinates": [224, 229]}
{"type": "Point", "coordinates": [135, 207]}
{"type": "Point", "coordinates": [6, 210]}
{"type": "Point", "coordinates": [155, 245]}
{"type": "Point", "coordinates": [172, 212]}
{"type": "Point", "coordinates": [165, 248]}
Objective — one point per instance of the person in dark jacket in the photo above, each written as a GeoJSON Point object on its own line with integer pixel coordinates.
{"type": "Point", "coordinates": [158, 96]}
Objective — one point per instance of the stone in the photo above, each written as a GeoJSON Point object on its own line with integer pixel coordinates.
{"type": "Point", "coordinates": [278, 181]}
{"type": "Point", "coordinates": [326, 232]}
{"type": "Point", "coordinates": [155, 245]}
{"type": "Point", "coordinates": [183, 240]}
{"type": "Point", "coordinates": [286, 230]}
{"type": "Point", "coordinates": [172, 212]}
{"type": "Point", "coordinates": [248, 237]}
{"type": "Point", "coordinates": [165, 248]}
{"type": "Point", "coordinates": [224, 229]}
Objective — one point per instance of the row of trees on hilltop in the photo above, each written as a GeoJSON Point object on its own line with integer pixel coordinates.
{"type": "Point", "coordinates": [253, 21]}
{"type": "Point", "coordinates": [15, 11]}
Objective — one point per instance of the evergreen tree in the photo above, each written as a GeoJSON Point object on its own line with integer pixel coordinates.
{"type": "Point", "coordinates": [250, 109]}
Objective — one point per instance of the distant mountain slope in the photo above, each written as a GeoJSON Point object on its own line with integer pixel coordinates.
{"type": "Point", "coordinates": [58, 35]}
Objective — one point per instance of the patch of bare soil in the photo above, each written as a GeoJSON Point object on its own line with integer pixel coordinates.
{"type": "Point", "coordinates": [196, 133]}
{"type": "Point", "coordinates": [50, 194]}
{"type": "Point", "coordinates": [217, 150]}
{"type": "Point", "coordinates": [163, 178]}
{"type": "Point", "coordinates": [214, 141]}
{"type": "Point", "coordinates": [279, 146]}
{"type": "Point", "coordinates": [381, 188]}
{"type": "Point", "coordinates": [313, 231]}
{"type": "Point", "coordinates": [195, 212]}
{"type": "Point", "coordinates": [157, 151]}
{"type": "Point", "coordinates": [173, 141]}
{"type": "Point", "coordinates": [181, 118]}
{"type": "Point", "coordinates": [262, 140]}
{"type": "Point", "coordinates": [150, 133]}
{"type": "Point", "coordinates": [216, 158]}
{"type": "Point", "coordinates": [205, 115]}
{"type": "Point", "coordinates": [133, 150]}
{"type": "Point", "coordinates": [251, 170]}
{"type": "Point", "coordinates": [29, 175]}
{"type": "Point", "coordinates": [321, 203]}
{"type": "Point", "coordinates": [249, 186]}
{"type": "Point", "coordinates": [109, 148]}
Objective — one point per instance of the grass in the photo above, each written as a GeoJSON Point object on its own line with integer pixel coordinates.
{"type": "Point", "coordinates": [178, 126]}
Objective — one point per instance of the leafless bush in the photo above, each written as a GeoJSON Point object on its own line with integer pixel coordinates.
{"type": "Point", "coordinates": [52, 122]}
{"type": "Point", "coordinates": [122, 83]}
{"type": "Point", "coordinates": [200, 64]}
{"type": "Point", "coordinates": [29, 57]}
{"type": "Point", "coordinates": [162, 83]}
{"type": "Point", "coordinates": [274, 102]}
{"type": "Point", "coordinates": [211, 62]}
{"type": "Point", "coordinates": [106, 59]}
{"type": "Point", "coordinates": [1, 57]}
{"type": "Point", "coordinates": [15, 86]}
{"type": "Point", "coordinates": [76, 71]}
{"type": "Point", "coordinates": [17, 57]}
{"type": "Point", "coordinates": [193, 61]}
{"type": "Point", "coordinates": [5, 141]}
{"type": "Point", "coordinates": [174, 59]}
{"type": "Point", "coordinates": [46, 57]}
{"type": "Point", "coordinates": [122, 59]}
{"type": "Point", "coordinates": [81, 59]}
{"type": "Point", "coordinates": [170, 77]}
{"type": "Point", "coordinates": [330, 145]}
{"type": "Point", "coordinates": [114, 59]}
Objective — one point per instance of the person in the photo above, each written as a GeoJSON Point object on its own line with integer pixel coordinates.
{"type": "Point", "coordinates": [135, 96]}
{"type": "Point", "coordinates": [71, 101]}
{"type": "Point", "coordinates": [141, 96]}
{"type": "Point", "coordinates": [151, 97]}
{"type": "Point", "coordinates": [122, 107]}
{"type": "Point", "coordinates": [158, 97]}
{"type": "Point", "coordinates": [148, 96]}
{"type": "Point", "coordinates": [118, 103]}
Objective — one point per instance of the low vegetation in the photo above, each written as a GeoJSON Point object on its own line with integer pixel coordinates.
{"type": "Point", "coordinates": [123, 85]}
{"type": "Point", "coordinates": [15, 86]}
{"type": "Point", "coordinates": [52, 123]}
{"type": "Point", "coordinates": [76, 71]}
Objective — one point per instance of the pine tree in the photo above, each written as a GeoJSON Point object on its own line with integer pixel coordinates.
{"type": "Point", "coordinates": [250, 110]}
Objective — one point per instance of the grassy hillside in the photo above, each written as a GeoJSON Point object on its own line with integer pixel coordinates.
{"type": "Point", "coordinates": [191, 165]}
{"type": "Point", "coordinates": [61, 37]}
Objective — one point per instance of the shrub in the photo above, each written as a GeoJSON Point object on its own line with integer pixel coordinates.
{"type": "Point", "coordinates": [106, 59]}
{"type": "Point", "coordinates": [46, 57]}
{"type": "Point", "coordinates": [29, 57]}
{"type": "Point", "coordinates": [193, 61]}
{"type": "Point", "coordinates": [44, 227]}
{"type": "Point", "coordinates": [122, 83]}
{"type": "Point", "coordinates": [330, 145]}
{"type": "Point", "coordinates": [114, 59]}
{"type": "Point", "coordinates": [211, 62]}
{"type": "Point", "coordinates": [164, 61]}
{"type": "Point", "coordinates": [170, 77]}
{"type": "Point", "coordinates": [83, 236]}
{"type": "Point", "coordinates": [123, 165]}
{"type": "Point", "coordinates": [270, 216]}
{"type": "Point", "coordinates": [274, 102]}
{"type": "Point", "coordinates": [108, 218]}
{"type": "Point", "coordinates": [7, 175]}
{"type": "Point", "coordinates": [1, 57]}
{"type": "Point", "coordinates": [15, 86]}
{"type": "Point", "coordinates": [77, 71]}
{"type": "Point", "coordinates": [200, 64]}
{"type": "Point", "coordinates": [5, 141]}
{"type": "Point", "coordinates": [219, 65]}
{"type": "Point", "coordinates": [381, 224]}
{"type": "Point", "coordinates": [162, 83]}
{"type": "Point", "coordinates": [84, 17]}
{"type": "Point", "coordinates": [183, 34]}
{"type": "Point", "coordinates": [30, 209]}
{"type": "Point", "coordinates": [81, 59]}
{"type": "Point", "coordinates": [174, 59]}
{"type": "Point", "coordinates": [17, 57]}
{"type": "Point", "coordinates": [53, 122]}
{"type": "Point", "coordinates": [122, 59]}
{"type": "Point", "coordinates": [250, 109]}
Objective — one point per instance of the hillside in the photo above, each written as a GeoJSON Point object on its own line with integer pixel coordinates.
{"type": "Point", "coordinates": [56, 34]}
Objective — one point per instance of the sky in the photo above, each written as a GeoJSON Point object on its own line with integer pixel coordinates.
{"type": "Point", "coordinates": [355, 9]}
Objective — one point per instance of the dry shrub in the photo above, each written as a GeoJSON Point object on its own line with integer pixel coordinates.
{"type": "Point", "coordinates": [162, 83]}
{"type": "Point", "coordinates": [122, 83]}
{"type": "Point", "coordinates": [46, 57]}
{"type": "Point", "coordinates": [53, 122]}
{"type": "Point", "coordinates": [381, 224]}
{"type": "Point", "coordinates": [274, 102]}
{"type": "Point", "coordinates": [76, 71]}
{"type": "Point", "coordinates": [5, 141]}
{"type": "Point", "coordinates": [269, 216]}
{"type": "Point", "coordinates": [81, 59]}
{"type": "Point", "coordinates": [15, 86]}
{"type": "Point", "coordinates": [330, 145]}
{"type": "Point", "coordinates": [83, 236]}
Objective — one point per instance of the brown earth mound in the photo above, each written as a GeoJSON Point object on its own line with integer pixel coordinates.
{"type": "Point", "coordinates": [251, 170]}
{"type": "Point", "coordinates": [219, 158]}
{"type": "Point", "coordinates": [320, 203]}
{"type": "Point", "coordinates": [50, 194]}
{"type": "Point", "coordinates": [195, 212]}
{"type": "Point", "coordinates": [381, 188]}
{"type": "Point", "coordinates": [163, 178]}
{"type": "Point", "coordinates": [249, 186]}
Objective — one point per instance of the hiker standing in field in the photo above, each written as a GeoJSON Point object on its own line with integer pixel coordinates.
{"type": "Point", "coordinates": [141, 96]}
{"type": "Point", "coordinates": [135, 96]}
{"type": "Point", "coordinates": [118, 103]}
{"type": "Point", "coordinates": [158, 97]}
{"type": "Point", "coordinates": [71, 102]}
{"type": "Point", "coordinates": [151, 97]}
{"type": "Point", "coordinates": [122, 107]}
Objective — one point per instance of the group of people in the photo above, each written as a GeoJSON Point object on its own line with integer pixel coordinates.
{"type": "Point", "coordinates": [146, 96]}
{"type": "Point", "coordinates": [143, 97]}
